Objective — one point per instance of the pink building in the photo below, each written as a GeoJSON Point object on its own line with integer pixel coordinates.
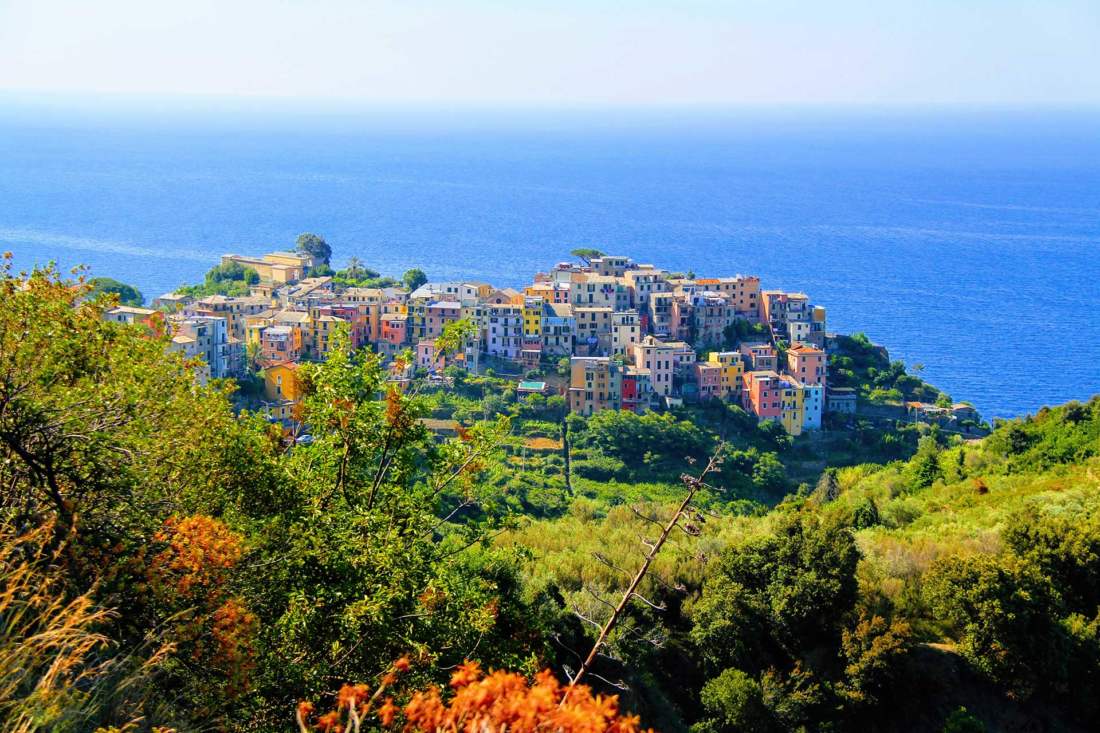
{"type": "Point", "coordinates": [709, 378]}
{"type": "Point", "coordinates": [807, 364]}
{"type": "Point", "coordinates": [439, 314]}
{"type": "Point", "coordinates": [427, 357]}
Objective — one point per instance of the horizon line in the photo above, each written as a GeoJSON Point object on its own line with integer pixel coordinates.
{"type": "Point", "coordinates": [107, 98]}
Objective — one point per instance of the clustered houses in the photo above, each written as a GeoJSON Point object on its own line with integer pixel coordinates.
{"type": "Point", "coordinates": [632, 332]}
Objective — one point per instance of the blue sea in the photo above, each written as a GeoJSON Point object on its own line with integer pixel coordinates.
{"type": "Point", "coordinates": [967, 241]}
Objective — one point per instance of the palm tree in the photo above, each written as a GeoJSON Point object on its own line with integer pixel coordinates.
{"type": "Point", "coordinates": [355, 266]}
{"type": "Point", "coordinates": [252, 356]}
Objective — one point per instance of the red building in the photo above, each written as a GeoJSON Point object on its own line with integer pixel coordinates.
{"type": "Point", "coordinates": [637, 391]}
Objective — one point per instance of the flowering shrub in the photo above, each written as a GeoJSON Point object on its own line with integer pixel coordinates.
{"type": "Point", "coordinates": [190, 576]}
{"type": "Point", "coordinates": [486, 703]}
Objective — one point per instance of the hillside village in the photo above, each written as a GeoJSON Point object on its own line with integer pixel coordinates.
{"type": "Point", "coordinates": [624, 335]}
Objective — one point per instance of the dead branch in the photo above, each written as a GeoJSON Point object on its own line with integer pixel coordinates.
{"type": "Point", "coordinates": [693, 484]}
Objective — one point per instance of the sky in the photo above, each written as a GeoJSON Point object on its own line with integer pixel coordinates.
{"type": "Point", "coordinates": [552, 52]}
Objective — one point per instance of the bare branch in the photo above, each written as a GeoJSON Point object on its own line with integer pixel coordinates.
{"type": "Point", "coordinates": [694, 485]}
{"type": "Point", "coordinates": [649, 603]}
{"type": "Point", "coordinates": [651, 520]}
{"type": "Point", "coordinates": [582, 617]}
{"type": "Point", "coordinates": [600, 598]}
{"type": "Point", "coordinates": [620, 685]}
{"type": "Point", "coordinates": [609, 564]}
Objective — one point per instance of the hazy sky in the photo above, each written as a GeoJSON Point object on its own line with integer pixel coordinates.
{"type": "Point", "coordinates": [562, 51]}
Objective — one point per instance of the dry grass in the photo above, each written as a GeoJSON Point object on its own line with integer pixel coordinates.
{"type": "Point", "coordinates": [542, 444]}
{"type": "Point", "coordinates": [49, 651]}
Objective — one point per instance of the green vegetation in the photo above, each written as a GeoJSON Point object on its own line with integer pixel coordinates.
{"type": "Point", "coordinates": [586, 254]}
{"type": "Point", "coordinates": [414, 278]}
{"type": "Point", "coordinates": [849, 607]}
{"type": "Point", "coordinates": [316, 246]}
{"type": "Point", "coordinates": [861, 364]}
{"type": "Point", "coordinates": [127, 294]}
{"type": "Point", "coordinates": [232, 279]}
{"type": "Point", "coordinates": [170, 560]}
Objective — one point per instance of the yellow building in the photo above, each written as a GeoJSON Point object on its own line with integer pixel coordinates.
{"type": "Point", "coordinates": [532, 317]}
{"type": "Point", "coordinates": [282, 391]}
{"type": "Point", "coordinates": [278, 267]}
{"type": "Point", "coordinates": [792, 396]}
{"type": "Point", "coordinates": [733, 371]}
{"type": "Point", "coordinates": [254, 326]}
{"type": "Point", "coordinates": [595, 384]}
{"type": "Point", "coordinates": [321, 329]}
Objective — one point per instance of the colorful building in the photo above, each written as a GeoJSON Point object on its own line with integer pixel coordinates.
{"type": "Point", "coordinates": [279, 344]}
{"type": "Point", "coordinates": [762, 395]}
{"type": "Point", "coordinates": [558, 329]}
{"type": "Point", "coordinates": [708, 380]}
{"type": "Point", "coordinates": [532, 317]}
{"type": "Point", "coordinates": [733, 370]}
{"type": "Point", "coordinates": [807, 363]}
{"type": "Point", "coordinates": [760, 357]}
{"type": "Point", "coordinates": [282, 391]}
{"type": "Point", "coordinates": [503, 330]}
{"type": "Point", "coordinates": [595, 384]}
{"type": "Point", "coordinates": [395, 329]}
{"type": "Point", "coordinates": [656, 356]}
{"type": "Point", "coordinates": [637, 394]}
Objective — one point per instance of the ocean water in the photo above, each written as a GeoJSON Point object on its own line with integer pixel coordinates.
{"type": "Point", "coordinates": [965, 241]}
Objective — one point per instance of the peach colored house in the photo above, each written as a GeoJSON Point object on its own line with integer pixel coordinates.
{"type": "Point", "coordinates": [395, 328]}
{"type": "Point", "coordinates": [656, 356]}
{"type": "Point", "coordinates": [763, 394]}
{"type": "Point", "coordinates": [807, 364]}
{"type": "Point", "coordinates": [550, 292]}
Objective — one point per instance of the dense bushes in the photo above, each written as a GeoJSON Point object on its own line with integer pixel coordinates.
{"type": "Point", "coordinates": [231, 278]}
{"type": "Point", "coordinates": [861, 364]}
{"type": "Point", "coordinates": [1061, 435]}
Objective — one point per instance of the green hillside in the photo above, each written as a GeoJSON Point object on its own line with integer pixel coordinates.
{"type": "Point", "coordinates": [169, 562]}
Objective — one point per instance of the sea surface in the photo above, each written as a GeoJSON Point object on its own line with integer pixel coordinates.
{"type": "Point", "coordinates": [967, 241]}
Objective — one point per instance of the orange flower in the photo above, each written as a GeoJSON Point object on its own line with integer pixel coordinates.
{"type": "Point", "coordinates": [402, 664]}
{"type": "Point", "coordinates": [387, 712]}
{"type": "Point", "coordinates": [328, 721]}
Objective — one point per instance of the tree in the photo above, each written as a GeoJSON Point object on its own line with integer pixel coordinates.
{"type": "Point", "coordinates": [230, 278]}
{"type": "Point", "coordinates": [736, 702]}
{"type": "Point", "coordinates": [873, 650]}
{"type": "Point", "coordinates": [103, 437]}
{"type": "Point", "coordinates": [924, 469]}
{"type": "Point", "coordinates": [828, 488]}
{"type": "Point", "coordinates": [1001, 610]}
{"type": "Point", "coordinates": [127, 294]}
{"type": "Point", "coordinates": [787, 591]}
{"type": "Point", "coordinates": [586, 254]}
{"type": "Point", "coordinates": [314, 245]}
{"type": "Point", "coordinates": [414, 278]}
{"type": "Point", "coordinates": [355, 268]}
